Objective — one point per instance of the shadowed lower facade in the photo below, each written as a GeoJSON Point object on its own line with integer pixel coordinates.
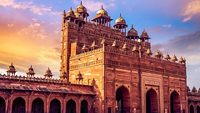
{"type": "Point", "coordinates": [103, 70]}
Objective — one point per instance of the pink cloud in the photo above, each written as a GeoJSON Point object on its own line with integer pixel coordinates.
{"type": "Point", "coordinates": [93, 5]}
{"type": "Point", "coordinates": [35, 9]}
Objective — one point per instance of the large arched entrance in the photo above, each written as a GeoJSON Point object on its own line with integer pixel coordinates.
{"type": "Point", "coordinates": [71, 106]}
{"type": "Point", "coordinates": [175, 102]}
{"type": "Point", "coordinates": [191, 109]}
{"type": "Point", "coordinates": [2, 105]}
{"type": "Point", "coordinates": [18, 105]}
{"type": "Point", "coordinates": [198, 109]}
{"type": "Point", "coordinates": [84, 106]}
{"type": "Point", "coordinates": [122, 100]}
{"type": "Point", "coordinates": [151, 101]}
{"type": "Point", "coordinates": [55, 106]}
{"type": "Point", "coordinates": [37, 106]}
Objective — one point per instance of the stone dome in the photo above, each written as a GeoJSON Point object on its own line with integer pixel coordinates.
{"type": "Point", "coordinates": [81, 9]}
{"type": "Point", "coordinates": [120, 20]}
{"type": "Point", "coordinates": [132, 32]}
{"type": "Point", "coordinates": [48, 73]}
{"type": "Point", "coordinates": [30, 71]}
{"type": "Point", "coordinates": [102, 12]}
{"type": "Point", "coordinates": [70, 13]}
{"type": "Point", "coordinates": [12, 67]}
{"type": "Point", "coordinates": [144, 34]}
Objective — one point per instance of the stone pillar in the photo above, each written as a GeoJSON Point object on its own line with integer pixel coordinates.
{"type": "Point", "coordinates": [195, 108]}
{"type": "Point", "coordinates": [78, 107]}
{"type": "Point", "coordinates": [10, 104]}
{"type": "Point", "coordinates": [27, 104]}
{"type": "Point", "coordinates": [29, 108]}
{"type": "Point", "coordinates": [61, 106]}
{"type": "Point", "coordinates": [64, 105]}
{"type": "Point", "coordinates": [47, 104]}
{"type": "Point", "coordinates": [7, 101]}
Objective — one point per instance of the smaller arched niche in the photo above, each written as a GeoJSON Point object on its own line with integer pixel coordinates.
{"type": "Point", "coordinates": [18, 105]}
{"type": "Point", "coordinates": [55, 106]}
{"type": "Point", "coordinates": [2, 105]}
{"type": "Point", "coordinates": [151, 101]}
{"type": "Point", "coordinates": [191, 109]}
{"type": "Point", "coordinates": [71, 106]}
{"type": "Point", "coordinates": [122, 100]}
{"type": "Point", "coordinates": [84, 106]}
{"type": "Point", "coordinates": [37, 106]}
{"type": "Point", "coordinates": [175, 102]}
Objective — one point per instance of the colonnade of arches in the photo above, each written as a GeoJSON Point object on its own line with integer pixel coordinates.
{"type": "Point", "coordinates": [19, 106]}
{"type": "Point", "coordinates": [193, 109]}
{"type": "Point", "coordinates": [152, 101]}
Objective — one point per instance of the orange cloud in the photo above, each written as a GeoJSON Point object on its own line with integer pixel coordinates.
{"type": "Point", "coordinates": [192, 9]}
{"type": "Point", "coordinates": [29, 43]}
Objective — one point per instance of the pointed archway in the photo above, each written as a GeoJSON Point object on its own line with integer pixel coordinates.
{"type": "Point", "coordinates": [175, 102]}
{"type": "Point", "coordinates": [198, 109]}
{"type": "Point", "coordinates": [191, 109]}
{"type": "Point", "coordinates": [2, 105]}
{"type": "Point", "coordinates": [55, 106]}
{"type": "Point", "coordinates": [71, 106]}
{"type": "Point", "coordinates": [122, 100]}
{"type": "Point", "coordinates": [84, 106]}
{"type": "Point", "coordinates": [18, 105]}
{"type": "Point", "coordinates": [37, 106]}
{"type": "Point", "coordinates": [152, 101]}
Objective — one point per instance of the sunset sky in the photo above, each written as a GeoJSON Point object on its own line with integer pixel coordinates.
{"type": "Point", "coordinates": [30, 30]}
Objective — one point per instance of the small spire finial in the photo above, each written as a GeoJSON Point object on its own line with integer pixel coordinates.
{"type": "Point", "coordinates": [132, 25]}
{"type": "Point", "coordinates": [102, 6]}
{"type": "Point", "coordinates": [81, 3]}
{"type": "Point", "coordinates": [71, 8]}
{"type": "Point", "coordinates": [120, 15]}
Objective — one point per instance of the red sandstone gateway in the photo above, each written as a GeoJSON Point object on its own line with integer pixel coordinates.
{"type": "Point", "coordinates": [103, 70]}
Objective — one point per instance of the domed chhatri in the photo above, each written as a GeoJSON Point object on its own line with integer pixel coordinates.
{"type": "Point", "coordinates": [48, 74]}
{"type": "Point", "coordinates": [174, 58]}
{"type": "Point", "coordinates": [182, 60]}
{"type": "Point", "coordinates": [167, 57]}
{"type": "Point", "coordinates": [11, 70]}
{"type": "Point", "coordinates": [82, 10]}
{"type": "Point", "coordinates": [77, 15]}
{"type": "Point", "coordinates": [149, 52]}
{"type": "Point", "coordinates": [102, 12]}
{"type": "Point", "coordinates": [79, 77]}
{"type": "Point", "coordinates": [69, 16]}
{"type": "Point", "coordinates": [70, 13]}
{"type": "Point", "coordinates": [102, 17]}
{"type": "Point", "coordinates": [144, 36]}
{"type": "Point", "coordinates": [158, 54]}
{"type": "Point", "coordinates": [120, 24]}
{"type": "Point", "coordinates": [30, 71]}
{"type": "Point", "coordinates": [132, 33]}
{"type": "Point", "coordinates": [120, 20]}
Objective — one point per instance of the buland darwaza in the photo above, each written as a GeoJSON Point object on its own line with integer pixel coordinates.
{"type": "Point", "coordinates": [103, 69]}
